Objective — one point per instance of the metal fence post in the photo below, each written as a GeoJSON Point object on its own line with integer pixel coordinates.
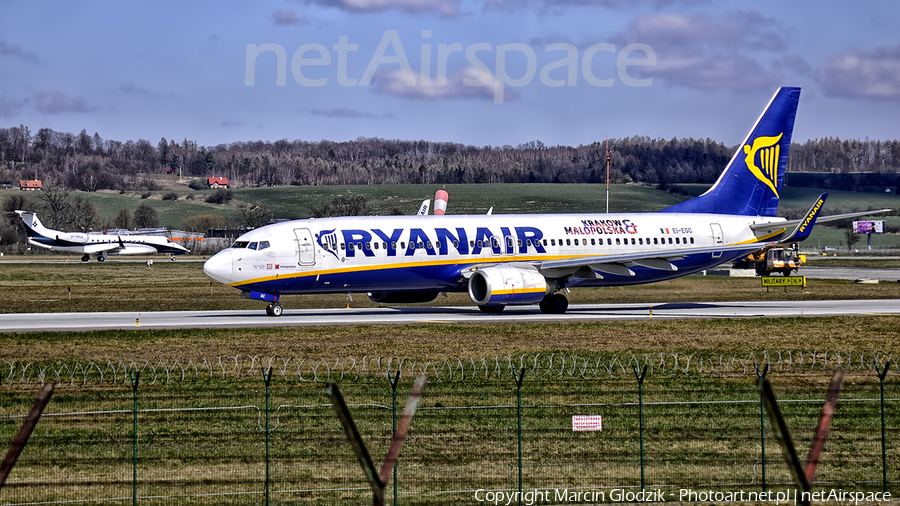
{"type": "Point", "coordinates": [394, 381]}
{"type": "Point", "coordinates": [640, 380]}
{"type": "Point", "coordinates": [519, 376]}
{"type": "Point", "coordinates": [762, 422]}
{"type": "Point", "coordinates": [135, 379]}
{"type": "Point", "coordinates": [881, 375]}
{"type": "Point", "coordinates": [267, 377]}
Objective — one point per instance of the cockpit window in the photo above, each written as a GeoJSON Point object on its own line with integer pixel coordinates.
{"type": "Point", "coordinates": [252, 245]}
{"type": "Point", "coordinates": [239, 244]}
{"type": "Point", "coordinates": [263, 245]}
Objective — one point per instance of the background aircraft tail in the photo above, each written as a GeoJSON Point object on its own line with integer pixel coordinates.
{"type": "Point", "coordinates": [750, 185]}
{"type": "Point", "coordinates": [33, 225]}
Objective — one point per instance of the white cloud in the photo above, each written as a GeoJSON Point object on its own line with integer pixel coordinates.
{"type": "Point", "coordinates": [447, 8]}
{"type": "Point", "coordinates": [7, 49]}
{"type": "Point", "coordinates": [286, 17]}
{"type": "Point", "coordinates": [864, 73]}
{"type": "Point", "coordinates": [396, 82]}
{"type": "Point", "coordinates": [345, 112]}
{"type": "Point", "coordinates": [710, 53]}
{"type": "Point", "coordinates": [56, 102]}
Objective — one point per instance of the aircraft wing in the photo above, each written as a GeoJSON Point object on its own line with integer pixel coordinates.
{"type": "Point", "coordinates": [619, 263]}
{"type": "Point", "coordinates": [92, 249]}
{"type": "Point", "coordinates": [778, 225]}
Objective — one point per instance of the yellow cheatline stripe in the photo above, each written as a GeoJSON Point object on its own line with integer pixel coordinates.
{"type": "Point", "coordinates": [763, 238]}
{"type": "Point", "coordinates": [518, 290]}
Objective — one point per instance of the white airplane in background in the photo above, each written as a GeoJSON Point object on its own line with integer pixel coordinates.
{"type": "Point", "coordinates": [96, 245]}
{"type": "Point", "coordinates": [527, 259]}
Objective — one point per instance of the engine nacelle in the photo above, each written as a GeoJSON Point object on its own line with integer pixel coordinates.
{"type": "Point", "coordinates": [402, 297]}
{"type": "Point", "coordinates": [506, 284]}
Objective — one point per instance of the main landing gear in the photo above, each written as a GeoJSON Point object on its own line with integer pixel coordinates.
{"type": "Point", "coordinates": [274, 309]}
{"type": "Point", "coordinates": [550, 304]}
{"type": "Point", "coordinates": [554, 304]}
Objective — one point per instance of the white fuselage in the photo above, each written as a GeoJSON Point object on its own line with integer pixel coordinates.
{"type": "Point", "coordinates": [408, 253]}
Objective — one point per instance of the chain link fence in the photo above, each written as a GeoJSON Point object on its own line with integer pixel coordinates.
{"type": "Point", "coordinates": [189, 432]}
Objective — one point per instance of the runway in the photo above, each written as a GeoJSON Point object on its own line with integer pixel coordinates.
{"type": "Point", "coordinates": [416, 315]}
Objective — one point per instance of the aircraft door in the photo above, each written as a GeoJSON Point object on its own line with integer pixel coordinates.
{"type": "Point", "coordinates": [717, 236]}
{"type": "Point", "coordinates": [306, 246]}
{"type": "Point", "coordinates": [496, 245]}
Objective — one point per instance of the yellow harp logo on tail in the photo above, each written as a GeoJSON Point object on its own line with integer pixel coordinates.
{"type": "Point", "coordinates": [769, 151]}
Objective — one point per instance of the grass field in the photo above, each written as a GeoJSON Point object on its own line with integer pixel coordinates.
{"type": "Point", "coordinates": [201, 440]}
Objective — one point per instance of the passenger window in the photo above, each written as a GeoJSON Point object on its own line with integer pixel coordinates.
{"type": "Point", "coordinates": [350, 246]}
{"type": "Point", "coordinates": [545, 242]}
{"type": "Point", "coordinates": [456, 244]}
{"type": "Point", "coordinates": [402, 245]}
{"type": "Point", "coordinates": [519, 242]}
{"type": "Point", "coordinates": [343, 246]}
{"type": "Point", "coordinates": [692, 240]}
{"type": "Point", "coordinates": [568, 242]}
{"type": "Point", "coordinates": [655, 241]}
{"type": "Point", "coordinates": [670, 240]}
{"type": "Point", "coordinates": [676, 241]}
{"type": "Point", "coordinates": [480, 244]}
{"type": "Point", "coordinates": [617, 241]}
{"type": "Point", "coordinates": [472, 244]}
{"type": "Point", "coordinates": [609, 241]}
{"type": "Point", "coordinates": [593, 242]}
{"type": "Point", "coordinates": [368, 246]}
{"type": "Point", "coordinates": [393, 244]}
{"type": "Point", "coordinates": [429, 245]}
{"type": "Point", "coordinates": [375, 244]}
{"type": "Point", "coordinates": [640, 240]}
{"type": "Point", "coordinates": [552, 242]}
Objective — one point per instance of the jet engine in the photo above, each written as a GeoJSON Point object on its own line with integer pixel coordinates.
{"type": "Point", "coordinates": [507, 284]}
{"type": "Point", "coordinates": [402, 297]}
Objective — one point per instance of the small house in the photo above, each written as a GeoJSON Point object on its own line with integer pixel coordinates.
{"type": "Point", "coordinates": [33, 185]}
{"type": "Point", "coordinates": [217, 182]}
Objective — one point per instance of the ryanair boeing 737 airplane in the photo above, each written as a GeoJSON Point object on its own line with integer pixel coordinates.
{"type": "Point", "coordinates": [528, 259]}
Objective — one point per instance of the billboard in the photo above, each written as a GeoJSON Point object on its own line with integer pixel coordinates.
{"type": "Point", "coordinates": [868, 227]}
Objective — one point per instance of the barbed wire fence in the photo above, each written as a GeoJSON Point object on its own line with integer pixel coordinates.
{"type": "Point", "coordinates": [199, 426]}
{"type": "Point", "coordinates": [550, 366]}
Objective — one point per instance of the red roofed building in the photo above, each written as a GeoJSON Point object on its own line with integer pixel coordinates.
{"type": "Point", "coordinates": [30, 185]}
{"type": "Point", "coordinates": [217, 182]}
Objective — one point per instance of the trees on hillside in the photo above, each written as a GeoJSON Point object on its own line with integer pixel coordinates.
{"type": "Point", "coordinates": [90, 163]}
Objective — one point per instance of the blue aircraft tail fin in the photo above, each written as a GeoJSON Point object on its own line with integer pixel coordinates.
{"type": "Point", "coordinates": [751, 182]}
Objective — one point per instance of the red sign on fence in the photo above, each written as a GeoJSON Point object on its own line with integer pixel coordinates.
{"type": "Point", "coordinates": [585, 423]}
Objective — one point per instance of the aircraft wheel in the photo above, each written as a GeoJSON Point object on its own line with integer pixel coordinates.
{"type": "Point", "coordinates": [85, 258]}
{"type": "Point", "coordinates": [491, 309]}
{"type": "Point", "coordinates": [786, 272]}
{"type": "Point", "coordinates": [554, 304]}
{"type": "Point", "coordinates": [269, 310]}
{"type": "Point", "coordinates": [277, 310]}
{"type": "Point", "coordinates": [101, 258]}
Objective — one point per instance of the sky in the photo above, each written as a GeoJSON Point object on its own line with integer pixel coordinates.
{"type": "Point", "coordinates": [479, 72]}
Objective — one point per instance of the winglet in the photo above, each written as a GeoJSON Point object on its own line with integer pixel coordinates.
{"type": "Point", "coordinates": [804, 228]}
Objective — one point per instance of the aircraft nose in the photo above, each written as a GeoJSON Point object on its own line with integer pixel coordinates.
{"type": "Point", "coordinates": [219, 267]}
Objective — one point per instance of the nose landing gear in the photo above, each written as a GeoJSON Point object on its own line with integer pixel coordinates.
{"type": "Point", "coordinates": [274, 309]}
